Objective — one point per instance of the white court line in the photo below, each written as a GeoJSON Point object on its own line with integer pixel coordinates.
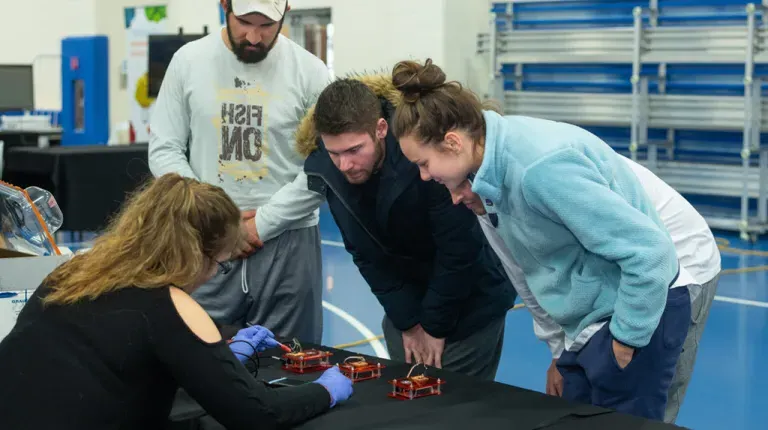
{"type": "Point", "coordinates": [741, 301]}
{"type": "Point", "coordinates": [378, 347]}
{"type": "Point", "coordinates": [332, 243]}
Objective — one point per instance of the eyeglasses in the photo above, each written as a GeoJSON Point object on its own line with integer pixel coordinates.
{"type": "Point", "coordinates": [224, 267]}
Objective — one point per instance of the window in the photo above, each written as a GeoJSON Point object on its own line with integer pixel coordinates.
{"type": "Point", "coordinates": [312, 29]}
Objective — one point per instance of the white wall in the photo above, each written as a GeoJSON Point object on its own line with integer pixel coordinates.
{"type": "Point", "coordinates": [369, 35]}
{"type": "Point", "coordinates": [464, 19]}
{"type": "Point", "coordinates": [31, 31]}
{"type": "Point", "coordinates": [366, 35]}
{"type": "Point", "coordinates": [375, 34]}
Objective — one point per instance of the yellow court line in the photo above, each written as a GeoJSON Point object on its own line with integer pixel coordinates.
{"type": "Point", "coordinates": [744, 270]}
{"type": "Point", "coordinates": [724, 245]}
{"type": "Point", "coordinates": [358, 342]}
{"type": "Point", "coordinates": [738, 251]}
{"type": "Point", "coordinates": [722, 241]}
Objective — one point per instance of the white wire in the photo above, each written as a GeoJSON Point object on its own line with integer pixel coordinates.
{"type": "Point", "coordinates": [414, 366]}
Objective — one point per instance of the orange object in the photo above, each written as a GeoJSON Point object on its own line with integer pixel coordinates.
{"type": "Point", "coordinates": [360, 370]}
{"type": "Point", "coordinates": [414, 387]}
{"type": "Point", "coordinates": [307, 361]}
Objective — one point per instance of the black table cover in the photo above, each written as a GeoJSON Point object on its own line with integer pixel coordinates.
{"type": "Point", "coordinates": [466, 403]}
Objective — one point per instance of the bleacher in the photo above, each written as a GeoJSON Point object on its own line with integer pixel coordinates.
{"type": "Point", "coordinates": [674, 84]}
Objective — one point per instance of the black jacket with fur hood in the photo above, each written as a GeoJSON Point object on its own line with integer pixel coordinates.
{"type": "Point", "coordinates": [425, 259]}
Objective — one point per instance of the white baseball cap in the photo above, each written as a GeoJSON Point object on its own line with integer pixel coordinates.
{"type": "Point", "coordinates": [272, 9]}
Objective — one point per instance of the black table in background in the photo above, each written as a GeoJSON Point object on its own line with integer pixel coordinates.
{"type": "Point", "coordinates": [13, 138]}
{"type": "Point", "coordinates": [90, 183]}
{"type": "Point", "coordinates": [466, 403]}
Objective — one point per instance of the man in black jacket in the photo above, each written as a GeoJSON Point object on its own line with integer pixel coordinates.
{"type": "Point", "coordinates": [441, 286]}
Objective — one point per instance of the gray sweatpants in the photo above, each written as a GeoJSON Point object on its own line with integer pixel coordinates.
{"type": "Point", "coordinates": [478, 355]}
{"type": "Point", "coordinates": [699, 313]}
{"type": "Point", "coordinates": [279, 287]}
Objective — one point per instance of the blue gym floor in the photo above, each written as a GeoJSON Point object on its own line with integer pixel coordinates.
{"type": "Point", "coordinates": [728, 381]}
{"type": "Point", "coordinates": [727, 389]}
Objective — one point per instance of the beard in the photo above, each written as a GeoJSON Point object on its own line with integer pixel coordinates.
{"type": "Point", "coordinates": [357, 177]}
{"type": "Point", "coordinates": [248, 53]}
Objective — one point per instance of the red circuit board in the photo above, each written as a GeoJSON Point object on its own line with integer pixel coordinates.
{"type": "Point", "coordinates": [307, 361]}
{"type": "Point", "coordinates": [361, 370]}
{"type": "Point", "coordinates": [415, 387]}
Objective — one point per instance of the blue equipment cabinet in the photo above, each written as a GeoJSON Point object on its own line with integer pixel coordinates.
{"type": "Point", "coordinates": [85, 90]}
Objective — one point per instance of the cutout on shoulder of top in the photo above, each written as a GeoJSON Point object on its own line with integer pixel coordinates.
{"type": "Point", "coordinates": [195, 316]}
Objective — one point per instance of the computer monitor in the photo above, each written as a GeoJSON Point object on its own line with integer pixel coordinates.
{"type": "Point", "coordinates": [161, 50]}
{"type": "Point", "coordinates": [16, 87]}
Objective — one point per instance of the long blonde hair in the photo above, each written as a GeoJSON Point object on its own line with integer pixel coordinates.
{"type": "Point", "coordinates": [161, 237]}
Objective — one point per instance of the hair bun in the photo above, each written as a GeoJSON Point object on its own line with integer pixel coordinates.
{"type": "Point", "coordinates": [414, 80]}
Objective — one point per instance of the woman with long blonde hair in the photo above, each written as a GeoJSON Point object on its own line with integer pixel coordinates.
{"type": "Point", "coordinates": [109, 336]}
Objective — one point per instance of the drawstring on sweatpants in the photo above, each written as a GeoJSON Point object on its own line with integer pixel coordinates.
{"type": "Point", "coordinates": [243, 281]}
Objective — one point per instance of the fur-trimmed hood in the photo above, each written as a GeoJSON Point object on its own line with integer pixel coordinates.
{"type": "Point", "coordinates": [306, 136]}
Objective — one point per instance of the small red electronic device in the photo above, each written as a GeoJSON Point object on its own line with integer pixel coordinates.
{"type": "Point", "coordinates": [306, 361]}
{"type": "Point", "coordinates": [357, 369]}
{"type": "Point", "coordinates": [414, 387]}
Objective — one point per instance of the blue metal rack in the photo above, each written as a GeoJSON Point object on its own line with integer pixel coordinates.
{"type": "Point", "coordinates": [677, 85]}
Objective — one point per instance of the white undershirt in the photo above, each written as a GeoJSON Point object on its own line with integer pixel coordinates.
{"type": "Point", "coordinates": [696, 249]}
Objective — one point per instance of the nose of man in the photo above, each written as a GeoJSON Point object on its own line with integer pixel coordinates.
{"type": "Point", "coordinates": [345, 164]}
{"type": "Point", "coordinates": [253, 37]}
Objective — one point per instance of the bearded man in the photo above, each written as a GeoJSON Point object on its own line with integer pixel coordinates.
{"type": "Point", "coordinates": [226, 114]}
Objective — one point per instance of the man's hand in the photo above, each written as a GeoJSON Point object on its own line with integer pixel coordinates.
{"type": "Point", "coordinates": [623, 354]}
{"type": "Point", "coordinates": [433, 350]}
{"type": "Point", "coordinates": [554, 380]}
{"type": "Point", "coordinates": [413, 344]}
{"type": "Point", "coordinates": [249, 238]}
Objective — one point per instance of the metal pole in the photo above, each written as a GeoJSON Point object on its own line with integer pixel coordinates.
{"type": "Point", "coordinates": [762, 204]}
{"type": "Point", "coordinates": [635, 79]}
{"type": "Point", "coordinates": [747, 146]}
{"type": "Point", "coordinates": [653, 6]}
{"type": "Point", "coordinates": [765, 10]}
{"type": "Point", "coordinates": [494, 70]}
{"type": "Point", "coordinates": [670, 144]}
{"type": "Point", "coordinates": [652, 155]}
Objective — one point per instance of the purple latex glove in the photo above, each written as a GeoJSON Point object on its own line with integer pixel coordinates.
{"type": "Point", "coordinates": [338, 385]}
{"type": "Point", "coordinates": [250, 340]}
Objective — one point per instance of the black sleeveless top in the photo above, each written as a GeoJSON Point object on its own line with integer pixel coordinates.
{"type": "Point", "coordinates": [117, 361]}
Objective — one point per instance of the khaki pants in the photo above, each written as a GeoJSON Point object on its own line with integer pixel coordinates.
{"type": "Point", "coordinates": [699, 313]}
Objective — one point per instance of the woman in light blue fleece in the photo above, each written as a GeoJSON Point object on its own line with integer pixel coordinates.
{"type": "Point", "coordinates": [594, 252]}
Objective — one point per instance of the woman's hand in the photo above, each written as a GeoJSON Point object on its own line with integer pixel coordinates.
{"type": "Point", "coordinates": [554, 380]}
{"type": "Point", "coordinates": [623, 354]}
{"type": "Point", "coordinates": [338, 386]}
{"type": "Point", "coordinates": [252, 340]}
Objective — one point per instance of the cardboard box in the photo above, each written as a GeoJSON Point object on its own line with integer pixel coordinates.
{"type": "Point", "coordinates": [20, 275]}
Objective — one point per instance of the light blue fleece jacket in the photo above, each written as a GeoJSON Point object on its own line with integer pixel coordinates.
{"type": "Point", "coordinates": [578, 222]}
